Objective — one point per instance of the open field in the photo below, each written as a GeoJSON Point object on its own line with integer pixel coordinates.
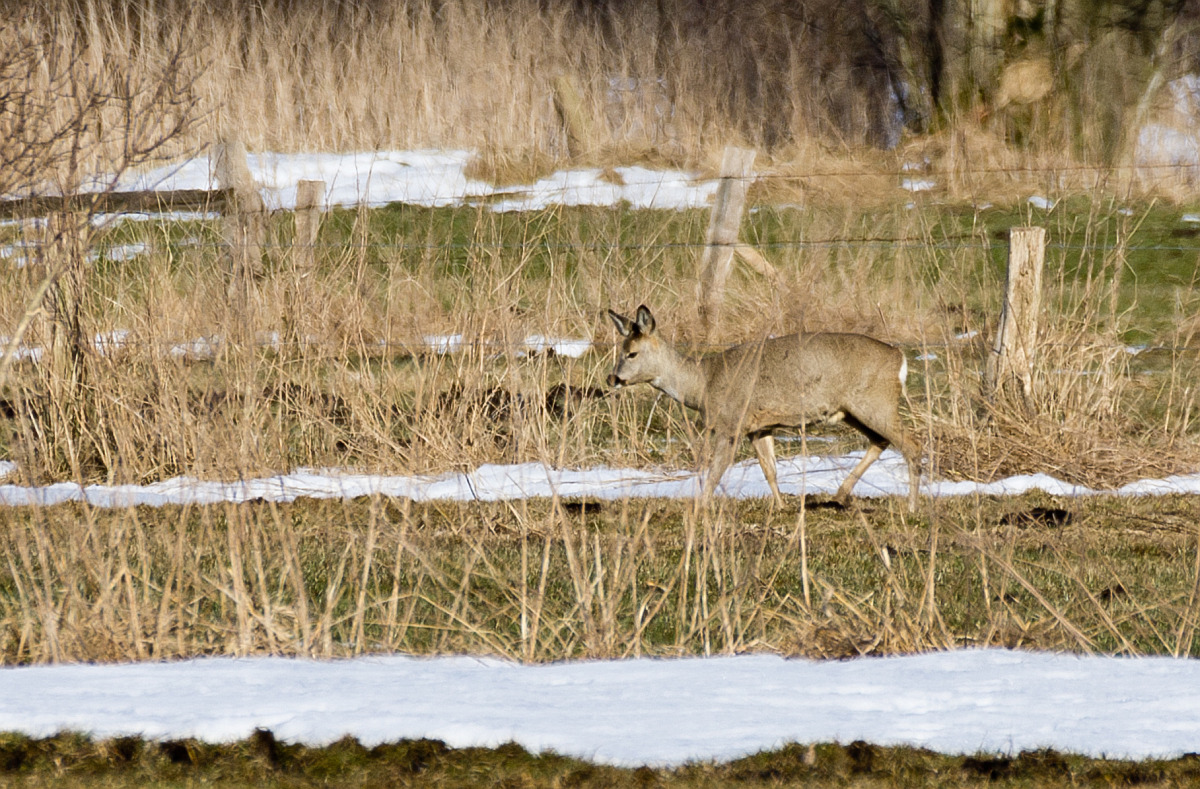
{"type": "Point", "coordinates": [335, 366]}
{"type": "Point", "coordinates": [411, 340]}
{"type": "Point", "coordinates": [338, 366]}
{"type": "Point", "coordinates": [346, 378]}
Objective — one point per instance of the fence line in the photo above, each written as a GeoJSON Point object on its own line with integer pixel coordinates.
{"type": "Point", "coordinates": [219, 198]}
{"type": "Point", "coordinates": [120, 203]}
{"type": "Point", "coordinates": [600, 246]}
{"type": "Point", "coordinates": [245, 232]}
{"type": "Point", "coordinates": [1031, 168]}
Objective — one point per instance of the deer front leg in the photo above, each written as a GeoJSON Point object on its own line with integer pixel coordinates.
{"type": "Point", "coordinates": [722, 447]}
{"type": "Point", "coordinates": [764, 448]}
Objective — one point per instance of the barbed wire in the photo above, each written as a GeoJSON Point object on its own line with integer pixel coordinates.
{"type": "Point", "coordinates": [607, 246]}
{"type": "Point", "coordinates": [933, 170]}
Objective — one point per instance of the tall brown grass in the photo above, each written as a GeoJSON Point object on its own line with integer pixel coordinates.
{"type": "Point", "coordinates": [815, 84]}
{"type": "Point", "coordinates": [341, 367]}
{"type": "Point", "coordinates": [548, 580]}
{"type": "Point", "coordinates": [544, 579]}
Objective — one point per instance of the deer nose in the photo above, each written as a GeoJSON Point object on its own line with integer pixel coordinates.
{"type": "Point", "coordinates": [614, 381]}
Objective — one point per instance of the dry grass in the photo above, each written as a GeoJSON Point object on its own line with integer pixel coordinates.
{"type": "Point", "coordinates": [340, 76]}
{"type": "Point", "coordinates": [543, 580]}
{"type": "Point", "coordinates": [339, 367]}
{"type": "Point", "coordinates": [548, 580]}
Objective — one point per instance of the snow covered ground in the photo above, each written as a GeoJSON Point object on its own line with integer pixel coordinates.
{"type": "Point", "coordinates": [635, 712]}
{"type": "Point", "coordinates": [436, 178]}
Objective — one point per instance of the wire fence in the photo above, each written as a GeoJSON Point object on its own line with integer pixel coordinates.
{"type": "Point", "coordinates": [622, 246]}
{"type": "Point", "coordinates": [21, 252]}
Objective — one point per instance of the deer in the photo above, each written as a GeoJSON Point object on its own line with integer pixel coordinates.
{"type": "Point", "coordinates": [761, 387]}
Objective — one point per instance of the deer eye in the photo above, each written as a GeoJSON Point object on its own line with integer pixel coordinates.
{"type": "Point", "coordinates": [631, 354]}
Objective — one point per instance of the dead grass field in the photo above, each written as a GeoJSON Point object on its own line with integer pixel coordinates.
{"type": "Point", "coordinates": [334, 367]}
{"type": "Point", "coordinates": [548, 580]}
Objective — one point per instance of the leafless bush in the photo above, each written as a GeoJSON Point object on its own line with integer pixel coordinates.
{"type": "Point", "coordinates": [76, 116]}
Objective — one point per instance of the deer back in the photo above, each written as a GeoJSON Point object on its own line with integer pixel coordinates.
{"type": "Point", "coordinates": [789, 381]}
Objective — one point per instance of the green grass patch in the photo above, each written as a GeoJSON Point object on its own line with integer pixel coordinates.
{"type": "Point", "coordinates": [74, 761]}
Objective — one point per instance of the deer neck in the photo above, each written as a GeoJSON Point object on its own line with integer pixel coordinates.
{"type": "Point", "coordinates": [684, 380]}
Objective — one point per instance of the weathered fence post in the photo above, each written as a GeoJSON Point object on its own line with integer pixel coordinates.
{"type": "Point", "coordinates": [245, 220]}
{"type": "Point", "coordinates": [245, 232]}
{"type": "Point", "coordinates": [309, 196]}
{"type": "Point", "coordinates": [722, 240]}
{"type": "Point", "coordinates": [568, 100]}
{"type": "Point", "coordinates": [1015, 346]}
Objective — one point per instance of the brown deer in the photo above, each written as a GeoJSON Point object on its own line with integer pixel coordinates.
{"type": "Point", "coordinates": [760, 387]}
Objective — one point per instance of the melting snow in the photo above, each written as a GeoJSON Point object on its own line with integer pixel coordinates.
{"type": "Point", "coordinates": [635, 712]}
{"type": "Point", "coordinates": [435, 179]}
{"type": "Point", "coordinates": [628, 712]}
{"type": "Point", "coordinates": [797, 475]}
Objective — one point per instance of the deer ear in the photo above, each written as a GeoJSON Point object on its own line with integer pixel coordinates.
{"type": "Point", "coordinates": [623, 324]}
{"type": "Point", "coordinates": [645, 321]}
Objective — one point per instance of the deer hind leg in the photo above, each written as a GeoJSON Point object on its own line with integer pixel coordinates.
{"type": "Point", "coordinates": [912, 459]}
{"type": "Point", "coordinates": [883, 433]}
{"type": "Point", "coordinates": [878, 444]}
{"type": "Point", "coordinates": [764, 448]}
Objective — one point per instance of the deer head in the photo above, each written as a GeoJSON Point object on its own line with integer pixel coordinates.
{"type": "Point", "coordinates": [642, 353]}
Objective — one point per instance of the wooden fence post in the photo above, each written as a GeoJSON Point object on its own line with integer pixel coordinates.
{"type": "Point", "coordinates": [568, 100]}
{"type": "Point", "coordinates": [1015, 346]}
{"type": "Point", "coordinates": [245, 220]}
{"type": "Point", "coordinates": [309, 197]}
{"type": "Point", "coordinates": [724, 224]}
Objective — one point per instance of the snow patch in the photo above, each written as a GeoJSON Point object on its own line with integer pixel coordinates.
{"type": "Point", "coordinates": [798, 475]}
{"type": "Point", "coordinates": [536, 343]}
{"type": "Point", "coordinates": [634, 712]}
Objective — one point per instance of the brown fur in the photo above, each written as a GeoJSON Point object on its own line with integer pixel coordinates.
{"type": "Point", "coordinates": [758, 388]}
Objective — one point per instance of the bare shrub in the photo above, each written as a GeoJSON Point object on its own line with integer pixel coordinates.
{"type": "Point", "coordinates": [71, 106]}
